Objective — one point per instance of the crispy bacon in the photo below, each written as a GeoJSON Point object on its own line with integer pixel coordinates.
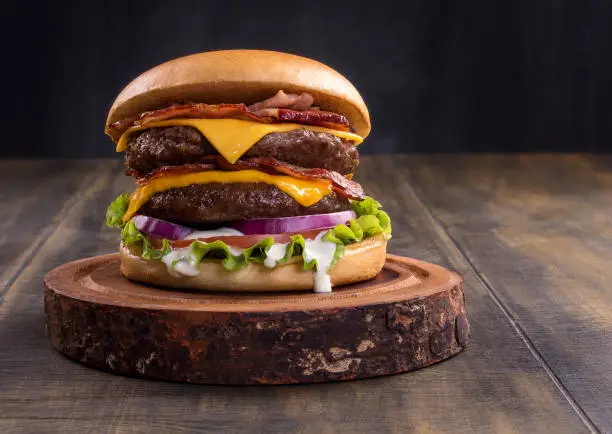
{"type": "Point", "coordinates": [340, 184]}
{"type": "Point", "coordinates": [312, 116]}
{"type": "Point", "coordinates": [193, 110]}
{"type": "Point", "coordinates": [189, 110]}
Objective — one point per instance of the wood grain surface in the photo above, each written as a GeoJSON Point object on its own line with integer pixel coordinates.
{"type": "Point", "coordinates": [410, 316]}
{"type": "Point", "coordinates": [539, 359]}
{"type": "Point", "coordinates": [539, 231]}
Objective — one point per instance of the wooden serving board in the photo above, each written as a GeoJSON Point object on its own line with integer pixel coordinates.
{"type": "Point", "coordinates": [412, 315]}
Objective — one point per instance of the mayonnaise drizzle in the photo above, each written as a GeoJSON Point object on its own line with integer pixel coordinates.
{"type": "Point", "coordinates": [275, 254]}
{"type": "Point", "coordinates": [221, 232]}
{"type": "Point", "coordinates": [181, 262]}
{"type": "Point", "coordinates": [323, 252]}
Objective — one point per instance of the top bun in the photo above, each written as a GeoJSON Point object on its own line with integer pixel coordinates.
{"type": "Point", "coordinates": [240, 76]}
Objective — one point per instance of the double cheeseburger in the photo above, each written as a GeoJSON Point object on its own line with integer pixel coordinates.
{"type": "Point", "coordinates": [243, 161]}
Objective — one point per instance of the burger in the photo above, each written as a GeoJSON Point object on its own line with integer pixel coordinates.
{"type": "Point", "coordinates": [243, 162]}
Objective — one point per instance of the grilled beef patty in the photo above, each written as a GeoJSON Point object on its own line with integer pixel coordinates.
{"type": "Point", "coordinates": [177, 145]}
{"type": "Point", "coordinates": [218, 202]}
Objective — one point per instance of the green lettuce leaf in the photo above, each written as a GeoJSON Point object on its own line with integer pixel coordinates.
{"type": "Point", "coordinates": [385, 222]}
{"type": "Point", "coordinates": [219, 250]}
{"type": "Point", "coordinates": [216, 250]}
{"type": "Point", "coordinates": [131, 235]}
{"type": "Point", "coordinates": [295, 247]}
{"type": "Point", "coordinates": [366, 206]}
{"type": "Point", "coordinates": [370, 221]}
{"type": "Point", "coordinates": [371, 208]}
{"type": "Point", "coordinates": [370, 225]}
{"type": "Point", "coordinates": [116, 210]}
{"type": "Point", "coordinates": [257, 252]}
{"type": "Point", "coordinates": [356, 229]}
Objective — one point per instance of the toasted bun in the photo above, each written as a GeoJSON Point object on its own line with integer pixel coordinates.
{"type": "Point", "coordinates": [361, 261]}
{"type": "Point", "coordinates": [240, 76]}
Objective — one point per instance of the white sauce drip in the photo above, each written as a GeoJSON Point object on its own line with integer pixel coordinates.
{"type": "Point", "coordinates": [275, 254]}
{"type": "Point", "coordinates": [323, 252]}
{"type": "Point", "coordinates": [318, 249]}
{"type": "Point", "coordinates": [221, 232]}
{"type": "Point", "coordinates": [183, 263]}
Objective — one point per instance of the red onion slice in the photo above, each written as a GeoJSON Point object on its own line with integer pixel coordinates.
{"type": "Point", "coordinates": [161, 228]}
{"type": "Point", "coordinates": [292, 224]}
{"type": "Point", "coordinates": [173, 232]}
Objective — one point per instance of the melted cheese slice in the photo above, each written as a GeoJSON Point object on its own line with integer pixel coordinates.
{"type": "Point", "coordinates": [305, 192]}
{"type": "Point", "coordinates": [233, 137]}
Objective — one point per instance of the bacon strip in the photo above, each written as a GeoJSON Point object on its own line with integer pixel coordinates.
{"type": "Point", "coordinates": [193, 110]}
{"type": "Point", "coordinates": [340, 184]}
{"type": "Point", "coordinates": [235, 111]}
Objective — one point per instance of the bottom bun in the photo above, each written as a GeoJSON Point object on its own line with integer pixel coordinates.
{"type": "Point", "coordinates": [361, 261]}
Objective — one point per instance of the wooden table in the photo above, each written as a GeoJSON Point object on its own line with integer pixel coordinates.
{"type": "Point", "coordinates": [531, 235]}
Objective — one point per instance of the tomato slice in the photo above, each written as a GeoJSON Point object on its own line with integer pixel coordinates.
{"type": "Point", "coordinates": [238, 241]}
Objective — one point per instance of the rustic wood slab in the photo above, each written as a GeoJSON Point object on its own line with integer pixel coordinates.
{"type": "Point", "coordinates": [495, 385]}
{"type": "Point", "coordinates": [411, 316]}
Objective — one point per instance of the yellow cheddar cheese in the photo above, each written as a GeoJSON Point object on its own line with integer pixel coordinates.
{"type": "Point", "coordinates": [305, 191]}
{"type": "Point", "coordinates": [233, 137]}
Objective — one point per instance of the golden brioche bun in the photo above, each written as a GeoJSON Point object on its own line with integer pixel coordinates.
{"type": "Point", "coordinates": [239, 76]}
{"type": "Point", "coordinates": [361, 261]}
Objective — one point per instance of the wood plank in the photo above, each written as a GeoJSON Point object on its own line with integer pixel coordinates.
{"type": "Point", "coordinates": [35, 196]}
{"type": "Point", "coordinates": [495, 385]}
{"type": "Point", "coordinates": [539, 231]}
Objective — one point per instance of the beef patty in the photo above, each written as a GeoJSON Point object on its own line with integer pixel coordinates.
{"type": "Point", "coordinates": [177, 145]}
{"type": "Point", "coordinates": [218, 202]}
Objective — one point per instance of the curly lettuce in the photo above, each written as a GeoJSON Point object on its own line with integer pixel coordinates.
{"type": "Point", "coordinates": [131, 235]}
{"type": "Point", "coordinates": [116, 210]}
{"type": "Point", "coordinates": [219, 250]}
{"type": "Point", "coordinates": [256, 253]}
{"type": "Point", "coordinates": [370, 221]}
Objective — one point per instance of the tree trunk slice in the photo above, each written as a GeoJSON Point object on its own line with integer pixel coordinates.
{"type": "Point", "coordinates": [411, 315]}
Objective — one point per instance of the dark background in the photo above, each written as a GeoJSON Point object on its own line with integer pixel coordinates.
{"type": "Point", "coordinates": [438, 76]}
